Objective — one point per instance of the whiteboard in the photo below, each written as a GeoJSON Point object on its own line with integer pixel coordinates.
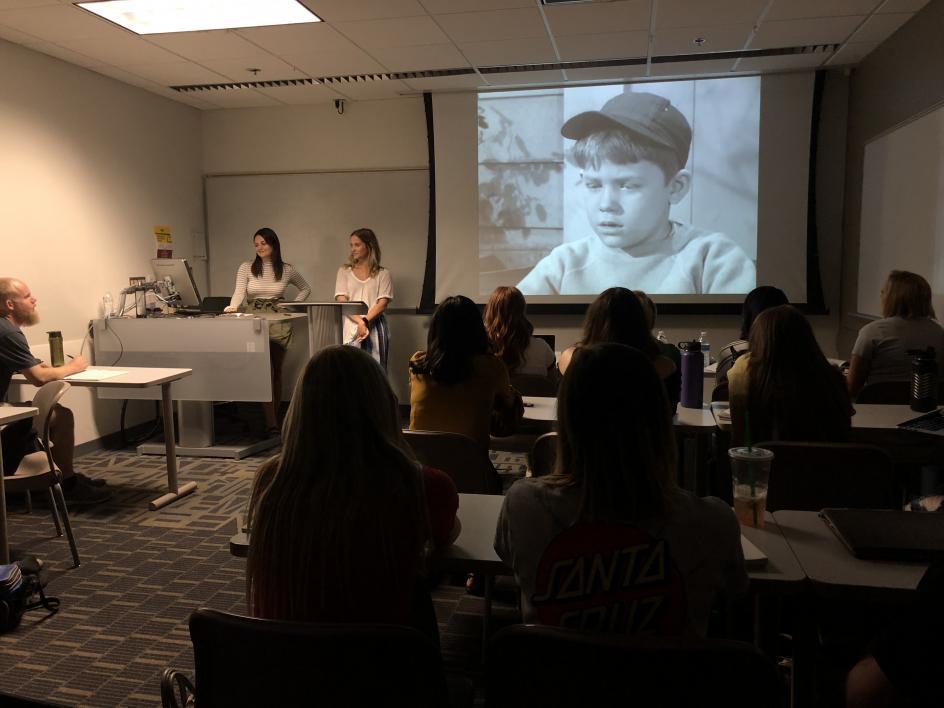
{"type": "Point", "coordinates": [314, 215]}
{"type": "Point", "coordinates": [902, 225]}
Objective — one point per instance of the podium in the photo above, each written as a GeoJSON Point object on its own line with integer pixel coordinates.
{"type": "Point", "coordinates": [326, 321]}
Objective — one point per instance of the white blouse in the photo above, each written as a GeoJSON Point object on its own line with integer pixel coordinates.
{"type": "Point", "coordinates": [376, 287]}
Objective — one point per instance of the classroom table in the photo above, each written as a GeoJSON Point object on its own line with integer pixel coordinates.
{"type": "Point", "coordinates": [143, 377]}
{"type": "Point", "coordinates": [8, 414]}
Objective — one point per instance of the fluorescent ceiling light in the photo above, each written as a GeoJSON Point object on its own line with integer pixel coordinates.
{"type": "Point", "coordinates": [158, 16]}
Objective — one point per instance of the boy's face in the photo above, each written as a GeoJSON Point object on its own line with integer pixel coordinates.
{"type": "Point", "coordinates": [628, 204]}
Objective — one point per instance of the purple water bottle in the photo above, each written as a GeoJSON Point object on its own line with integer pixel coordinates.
{"type": "Point", "coordinates": [693, 374]}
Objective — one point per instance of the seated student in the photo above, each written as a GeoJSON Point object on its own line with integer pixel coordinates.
{"type": "Point", "coordinates": [617, 316]}
{"type": "Point", "coordinates": [616, 466]}
{"type": "Point", "coordinates": [881, 350]}
{"type": "Point", "coordinates": [673, 383]}
{"type": "Point", "coordinates": [510, 334]}
{"type": "Point", "coordinates": [757, 300]}
{"type": "Point", "coordinates": [342, 520]}
{"type": "Point", "coordinates": [632, 155]}
{"type": "Point", "coordinates": [787, 386]}
{"type": "Point", "coordinates": [457, 385]}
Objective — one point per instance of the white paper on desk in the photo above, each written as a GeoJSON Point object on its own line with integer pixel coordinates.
{"type": "Point", "coordinates": [94, 375]}
{"type": "Point", "coordinates": [724, 414]}
{"type": "Point", "coordinates": [753, 556]}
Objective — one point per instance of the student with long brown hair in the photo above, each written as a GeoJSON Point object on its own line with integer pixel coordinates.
{"type": "Point", "coordinates": [343, 519]}
{"type": "Point", "coordinates": [786, 385]}
{"type": "Point", "coordinates": [616, 464]}
{"type": "Point", "coordinates": [510, 334]}
{"type": "Point", "coordinates": [881, 349]}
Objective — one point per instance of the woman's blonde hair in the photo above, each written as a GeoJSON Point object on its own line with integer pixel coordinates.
{"type": "Point", "coordinates": [906, 295]}
{"type": "Point", "coordinates": [615, 440]}
{"type": "Point", "coordinates": [507, 325]}
{"type": "Point", "coordinates": [369, 238]}
{"type": "Point", "coordinates": [345, 477]}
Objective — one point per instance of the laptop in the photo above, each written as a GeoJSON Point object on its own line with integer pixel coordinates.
{"type": "Point", "coordinates": [212, 305]}
{"type": "Point", "coordinates": [932, 423]}
{"type": "Point", "coordinates": [878, 534]}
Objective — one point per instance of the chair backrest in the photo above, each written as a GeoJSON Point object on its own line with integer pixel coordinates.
{"type": "Point", "coordinates": [533, 665]}
{"type": "Point", "coordinates": [720, 392]}
{"type": "Point", "coordinates": [459, 456]}
{"type": "Point", "coordinates": [534, 385]}
{"type": "Point", "coordinates": [45, 400]}
{"type": "Point", "coordinates": [887, 392]}
{"type": "Point", "coordinates": [543, 455]}
{"type": "Point", "coordinates": [808, 476]}
{"type": "Point", "coordinates": [549, 338]}
{"type": "Point", "coordinates": [248, 661]}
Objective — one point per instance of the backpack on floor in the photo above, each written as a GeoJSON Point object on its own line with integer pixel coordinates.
{"type": "Point", "coordinates": [21, 590]}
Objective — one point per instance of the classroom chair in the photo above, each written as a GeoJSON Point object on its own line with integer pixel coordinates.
{"type": "Point", "coordinates": [534, 385]}
{"type": "Point", "coordinates": [459, 456]}
{"type": "Point", "coordinates": [543, 455]}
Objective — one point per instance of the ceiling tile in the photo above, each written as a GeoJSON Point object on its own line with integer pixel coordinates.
{"type": "Point", "coordinates": [437, 7]}
{"type": "Point", "coordinates": [619, 45]}
{"type": "Point", "coordinates": [121, 50]}
{"type": "Point", "coordinates": [214, 44]}
{"type": "Point", "coordinates": [784, 62]}
{"type": "Point", "coordinates": [689, 68]}
{"type": "Point", "coordinates": [495, 25]}
{"type": "Point", "coordinates": [236, 98]}
{"type": "Point", "coordinates": [792, 33]}
{"type": "Point", "coordinates": [370, 90]}
{"type": "Point", "coordinates": [335, 11]}
{"type": "Point", "coordinates": [852, 53]}
{"type": "Point", "coordinates": [717, 39]}
{"type": "Point", "coordinates": [176, 73]}
{"type": "Point", "coordinates": [902, 5]}
{"type": "Point", "coordinates": [430, 56]}
{"type": "Point", "coordinates": [525, 78]}
{"type": "Point", "coordinates": [238, 69]}
{"type": "Point", "coordinates": [338, 63]}
{"type": "Point", "coordinates": [798, 9]}
{"type": "Point", "coordinates": [623, 16]}
{"type": "Point", "coordinates": [55, 23]}
{"type": "Point", "coordinates": [537, 50]}
{"type": "Point", "coordinates": [607, 73]}
{"type": "Point", "coordinates": [878, 28]}
{"type": "Point", "coordinates": [396, 32]}
{"type": "Point", "coordinates": [446, 83]}
{"type": "Point", "coordinates": [73, 57]}
{"type": "Point", "coordinates": [686, 13]}
{"type": "Point", "coordinates": [300, 95]}
{"type": "Point", "coordinates": [297, 39]}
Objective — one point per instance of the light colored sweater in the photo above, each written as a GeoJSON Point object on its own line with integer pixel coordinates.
{"type": "Point", "coordinates": [266, 286]}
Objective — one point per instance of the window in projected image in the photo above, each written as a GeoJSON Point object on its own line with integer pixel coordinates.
{"type": "Point", "coordinates": [651, 186]}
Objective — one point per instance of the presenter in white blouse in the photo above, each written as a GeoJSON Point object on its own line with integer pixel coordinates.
{"type": "Point", "coordinates": [262, 283]}
{"type": "Point", "coordinates": [362, 278]}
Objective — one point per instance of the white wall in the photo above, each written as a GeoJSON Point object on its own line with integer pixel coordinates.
{"type": "Point", "coordinates": [90, 166]}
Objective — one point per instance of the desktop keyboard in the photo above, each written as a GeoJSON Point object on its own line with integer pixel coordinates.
{"type": "Point", "coordinates": [932, 422]}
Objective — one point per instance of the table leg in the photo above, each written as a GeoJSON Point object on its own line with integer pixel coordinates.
{"type": "Point", "coordinates": [486, 619]}
{"type": "Point", "coordinates": [4, 544]}
{"type": "Point", "coordinates": [174, 491]}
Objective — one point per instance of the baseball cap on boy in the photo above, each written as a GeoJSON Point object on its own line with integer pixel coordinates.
{"type": "Point", "coordinates": [645, 114]}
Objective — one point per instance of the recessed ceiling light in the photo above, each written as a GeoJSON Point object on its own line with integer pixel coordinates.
{"type": "Point", "coordinates": [158, 16]}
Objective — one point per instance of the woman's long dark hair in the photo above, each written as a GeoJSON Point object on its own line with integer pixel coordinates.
{"type": "Point", "coordinates": [758, 300]}
{"type": "Point", "coordinates": [507, 325]}
{"type": "Point", "coordinates": [794, 393]}
{"type": "Point", "coordinates": [345, 478]}
{"type": "Point", "coordinates": [271, 239]}
{"type": "Point", "coordinates": [615, 439]}
{"type": "Point", "coordinates": [456, 337]}
{"type": "Point", "coordinates": [617, 316]}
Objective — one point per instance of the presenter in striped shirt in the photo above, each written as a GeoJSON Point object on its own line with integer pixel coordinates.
{"type": "Point", "coordinates": [262, 284]}
{"type": "Point", "coordinates": [362, 278]}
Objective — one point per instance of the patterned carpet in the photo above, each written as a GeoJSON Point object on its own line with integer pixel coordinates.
{"type": "Point", "coordinates": [124, 611]}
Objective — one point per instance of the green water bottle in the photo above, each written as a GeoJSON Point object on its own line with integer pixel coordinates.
{"type": "Point", "coordinates": [56, 355]}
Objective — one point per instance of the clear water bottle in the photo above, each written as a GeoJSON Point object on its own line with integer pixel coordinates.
{"type": "Point", "coordinates": [661, 337]}
{"type": "Point", "coordinates": [108, 306]}
{"type": "Point", "coordinates": [705, 347]}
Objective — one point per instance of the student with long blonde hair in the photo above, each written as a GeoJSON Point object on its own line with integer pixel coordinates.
{"type": "Point", "coordinates": [510, 334]}
{"type": "Point", "coordinates": [343, 519]}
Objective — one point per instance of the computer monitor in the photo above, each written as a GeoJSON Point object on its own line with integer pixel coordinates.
{"type": "Point", "coordinates": [176, 280]}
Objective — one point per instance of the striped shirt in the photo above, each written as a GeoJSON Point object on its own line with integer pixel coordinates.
{"type": "Point", "coordinates": [266, 286]}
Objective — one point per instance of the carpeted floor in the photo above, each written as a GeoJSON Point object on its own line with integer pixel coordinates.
{"type": "Point", "coordinates": [124, 611]}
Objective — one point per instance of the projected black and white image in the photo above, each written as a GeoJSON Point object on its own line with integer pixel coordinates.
{"type": "Point", "coordinates": [648, 186]}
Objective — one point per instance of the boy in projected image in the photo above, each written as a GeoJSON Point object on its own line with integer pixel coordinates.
{"type": "Point", "coordinates": [632, 155]}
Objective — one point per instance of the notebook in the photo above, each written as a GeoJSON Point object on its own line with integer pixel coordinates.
{"type": "Point", "coordinates": [753, 556]}
{"type": "Point", "coordinates": [932, 423]}
{"type": "Point", "coordinates": [872, 534]}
